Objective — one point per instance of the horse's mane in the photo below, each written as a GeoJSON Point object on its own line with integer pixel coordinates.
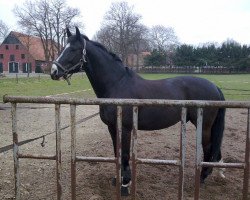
{"type": "Point", "coordinates": [97, 44]}
{"type": "Point", "coordinates": [116, 58]}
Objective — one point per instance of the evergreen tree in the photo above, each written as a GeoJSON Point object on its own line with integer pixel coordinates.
{"type": "Point", "coordinates": [157, 58]}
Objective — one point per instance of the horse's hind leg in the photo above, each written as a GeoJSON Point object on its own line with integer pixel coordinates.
{"type": "Point", "coordinates": [207, 158]}
{"type": "Point", "coordinates": [206, 144]}
{"type": "Point", "coordinates": [112, 131]}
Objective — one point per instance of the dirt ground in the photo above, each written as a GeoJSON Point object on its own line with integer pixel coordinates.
{"type": "Point", "coordinates": [94, 179]}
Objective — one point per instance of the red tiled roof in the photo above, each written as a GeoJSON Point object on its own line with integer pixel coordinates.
{"type": "Point", "coordinates": [33, 44]}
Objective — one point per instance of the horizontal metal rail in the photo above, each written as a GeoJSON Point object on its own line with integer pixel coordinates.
{"type": "Point", "coordinates": [36, 156]}
{"type": "Point", "coordinates": [225, 165]}
{"type": "Point", "coordinates": [123, 102]}
{"type": "Point", "coordinates": [157, 162]}
{"type": "Point", "coordinates": [95, 159]}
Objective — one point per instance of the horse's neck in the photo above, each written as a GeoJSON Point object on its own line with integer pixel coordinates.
{"type": "Point", "coordinates": [104, 73]}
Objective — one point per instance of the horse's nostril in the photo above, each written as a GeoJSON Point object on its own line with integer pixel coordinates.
{"type": "Point", "coordinates": [54, 75]}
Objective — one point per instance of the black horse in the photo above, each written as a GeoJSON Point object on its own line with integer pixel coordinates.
{"type": "Point", "coordinates": [111, 79]}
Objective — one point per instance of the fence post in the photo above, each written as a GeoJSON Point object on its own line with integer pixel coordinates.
{"type": "Point", "coordinates": [118, 152]}
{"type": "Point", "coordinates": [247, 160]}
{"type": "Point", "coordinates": [73, 150]}
{"type": "Point", "coordinates": [134, 150]}
{"type": "Point", "coordinates": [182, 152]}
{"type": "Point", "coordinates": [58, 152]}
{"type": "Point", "coordinates": [15, 152]}
{"type": "Point", "coordinates": [16, 78]}
{"type": "Point", "coordinates": [198, 152]}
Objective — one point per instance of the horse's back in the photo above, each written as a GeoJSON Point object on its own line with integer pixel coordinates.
{"type": "Point", "coordinates": [195, 88]}
{"type": "Point", "coordinates": [178, 88]}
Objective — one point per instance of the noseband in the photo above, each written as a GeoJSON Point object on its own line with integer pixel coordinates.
{"type": "Point", "coordinates": [80, 65]}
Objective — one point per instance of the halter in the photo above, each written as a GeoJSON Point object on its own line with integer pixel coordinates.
{"type": "Point", "coordinates": [81, 63]}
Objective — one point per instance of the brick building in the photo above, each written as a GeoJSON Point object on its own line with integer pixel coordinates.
{"type": "Point", "coordinates": [134, 60]}
{"type": "Point", "coordinates": [20, 53]}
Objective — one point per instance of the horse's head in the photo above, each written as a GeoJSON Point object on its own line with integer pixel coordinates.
{"type": "Point", "coordinates": [72, 59]}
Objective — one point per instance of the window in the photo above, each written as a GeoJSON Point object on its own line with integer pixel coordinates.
{"type": "Point", "coordinates": [1, 67]}
{"type": "Point", "coordinates": [17, 46]}
{"type": "Point", "coordinates": [6, 47]}
{"type": "Point", "coordinates": [13, 67]}
{"type": "Point", "coordinates": [1, 56]}
{"type": "Point", "coordinates": [12, 57]}
{"type": "Point", "coordinates": [27, 68]}
{"type": "Point", "coordinates": [23, 56]}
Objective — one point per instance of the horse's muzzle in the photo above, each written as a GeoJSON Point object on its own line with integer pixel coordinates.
{"type": "Point", "coordinates": [54, 75]}
{"type": "Point", "coordinates": [54, 72]}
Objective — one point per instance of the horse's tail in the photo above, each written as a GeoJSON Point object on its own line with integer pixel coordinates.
{"type": "Point", "coordinates": [217, 132]}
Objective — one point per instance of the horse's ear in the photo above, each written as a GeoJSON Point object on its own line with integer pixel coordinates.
{"type": "Point", "coordinates": [68, 32]}
{"type": "Point", "coordinates": [78, 34]}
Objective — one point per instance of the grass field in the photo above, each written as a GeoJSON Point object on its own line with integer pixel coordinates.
{"type": "Point", "coordinates": [44, 86]}
{"type": "Point", "coordinates": [234, 87]}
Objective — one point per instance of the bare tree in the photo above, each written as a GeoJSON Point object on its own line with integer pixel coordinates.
{"type": "Point", "coordinates": [4, 30]}
{"type": "Point", "coordinates": [46, 19]}
{"type": "Point", "coordinates": [140, 42]}
{"type": "Point", "coordinates": [162, 38]}
{"type": "Point", "coordinates": [105, 36]}
{"type": "Point", "coordinates": [119, 27]}
{"type": "Point", "coordinates": [62, 17]}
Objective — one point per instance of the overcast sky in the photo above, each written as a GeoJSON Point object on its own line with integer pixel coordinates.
{"type": "Point", "coordinates": [194, 21]}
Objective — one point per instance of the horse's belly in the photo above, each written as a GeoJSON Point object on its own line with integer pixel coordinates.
{"type": "Point", "coordinates": [158, 118]}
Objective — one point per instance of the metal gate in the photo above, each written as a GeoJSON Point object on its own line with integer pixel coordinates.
{"type": "Point", "coordinates": [135, 103]}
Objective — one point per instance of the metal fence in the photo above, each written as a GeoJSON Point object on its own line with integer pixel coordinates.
{"type": "Point", "coordinates": [135, 103]}
{"type": "Point", "coordinates": [194, 70]}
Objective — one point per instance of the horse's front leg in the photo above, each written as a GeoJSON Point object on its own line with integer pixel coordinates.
{"type": "Point", "coordinates": [126, 172]}
{"type": "Point", "coordinates": [125, 169]}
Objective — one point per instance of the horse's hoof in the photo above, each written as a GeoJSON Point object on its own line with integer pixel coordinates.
{"type": "Point", "coordinates": [124, 191]}
{"type": "Point", "coordinates": [113, 181]}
